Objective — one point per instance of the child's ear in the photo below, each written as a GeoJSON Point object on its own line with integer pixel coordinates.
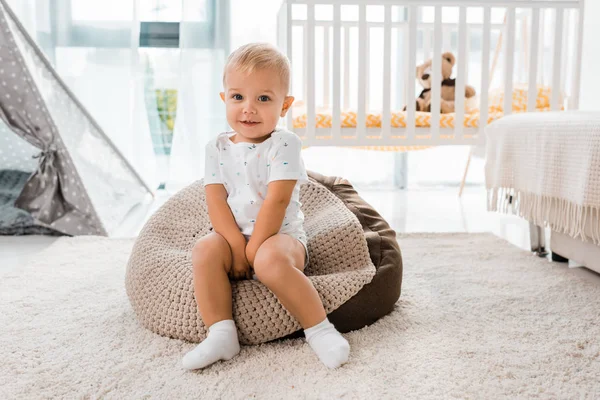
{"type": "Point", "coordinates": [287, 103]}
{"type": "Point", "coordinates": [222, 94]}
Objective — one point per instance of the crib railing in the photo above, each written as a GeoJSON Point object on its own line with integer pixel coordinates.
{"type": "Point", "coordinates": [298, 23]}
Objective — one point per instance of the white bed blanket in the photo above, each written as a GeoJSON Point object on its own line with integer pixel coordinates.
{"type": "Point", "coordinates": [545, 167]}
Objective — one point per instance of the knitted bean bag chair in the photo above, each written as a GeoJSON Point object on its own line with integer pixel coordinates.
{"type": "Point", "coordinates": [355, 265]}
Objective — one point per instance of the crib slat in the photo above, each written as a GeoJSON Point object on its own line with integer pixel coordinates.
{"type": "Point", "coordinates": [304, 58]}
{"type": "Point", "coordinates": [346, 67]}
{"type": "Point", "coordinates": [436, 72]}
{"type": "Point", "coordinates": [310, 72]}
{"type": "Point", "coordinates": [367, 65]}
{"type": "Point", "coordinates": [387, 80]}
{"type": "Point", "coordinates": [461, 72]}
{"type": "Point", "coordinates": [533, 60]}
{"type": "Point", "coordinates": [401, 51]}
{"type": "Point", "coordinates": [566, 52]}
{"type": "Point", "coordinates": [337, 76]}
{"type": "Point", "coordinates": [509, 53]}
{"type": "Point", "coordinates": [326, 75]}
{"type": "Point", "coordinates": [410, 72]}
{"type": "Point", "coordinates": [362, 76]}
{"type": "Point", "coordinates": [289, 41]}
{"type": "Point", "coordinates": [521, 54]}
{"type": "Point", "coordinates": [485, 74]}
{"type": "Point", "coordinates": [468, 49]}
{"type": "Point", "coordinates": [541, 73]}
{"type": "Point", "coordinates": [577, 62]}
{"type": "Point", "coordinates": [554, 103]}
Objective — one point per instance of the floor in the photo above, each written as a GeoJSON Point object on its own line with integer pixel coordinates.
{"type": "Point", "coordinates": [425, 209]}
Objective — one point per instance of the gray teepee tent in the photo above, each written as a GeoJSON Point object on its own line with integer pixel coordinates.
{"type": "Point", "coordinates": [59, 173]}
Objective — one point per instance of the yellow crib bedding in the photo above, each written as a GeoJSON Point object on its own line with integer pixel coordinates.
{"type": "Point", "coordinates": [471, 119]}
{"type": "Point", "coordinates": [398, 119]}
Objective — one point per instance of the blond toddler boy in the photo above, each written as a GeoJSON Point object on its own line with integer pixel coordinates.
{"type": "Point", "coordinates": [252, 181]}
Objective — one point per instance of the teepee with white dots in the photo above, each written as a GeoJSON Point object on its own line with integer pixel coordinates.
{"type": "Point", "coordinates": [59, 173]}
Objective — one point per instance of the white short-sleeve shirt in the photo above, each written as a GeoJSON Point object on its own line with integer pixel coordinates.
{"type": "Point", "coordinates": [246, 169]}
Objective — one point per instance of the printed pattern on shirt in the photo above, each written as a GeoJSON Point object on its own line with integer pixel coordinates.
{"type": "Point", "coordinates": [247, 169]}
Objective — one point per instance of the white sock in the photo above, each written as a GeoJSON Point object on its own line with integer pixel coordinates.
{"type": "Point", "coordinates": [221, 343]}
{"type": "Point", "coordinates": [331, 347]}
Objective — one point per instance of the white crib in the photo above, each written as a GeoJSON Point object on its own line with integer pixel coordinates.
{"type": "Point", "coordinates": [334, 47]}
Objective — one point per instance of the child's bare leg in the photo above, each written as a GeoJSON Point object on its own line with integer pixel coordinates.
{"type": "Point", "coordinates": [279, 264]}
{"type": "Point", "coordinates": [211, 259]}
{"type": "Point", "coordinates": [281, 271]}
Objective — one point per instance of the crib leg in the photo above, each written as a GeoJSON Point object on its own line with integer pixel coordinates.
{"type": "Point", "coordinates": [401, 170]}
{"type": "Point", "coordinates": [462, 183]}
{"type": "Point", "coordinates": [538, 240]}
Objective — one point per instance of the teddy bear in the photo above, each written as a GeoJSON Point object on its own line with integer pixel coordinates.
{"type": "Point", "coordinates": [448, 85]}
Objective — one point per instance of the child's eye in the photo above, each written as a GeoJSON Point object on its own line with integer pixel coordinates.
{"type": "Point", "coordinates": [237, 97]}
{"type": "Point", "coordinates": [264, 98]}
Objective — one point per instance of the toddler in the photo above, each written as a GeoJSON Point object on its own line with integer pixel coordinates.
{"type": "Point", "coordinates": [252, 181]}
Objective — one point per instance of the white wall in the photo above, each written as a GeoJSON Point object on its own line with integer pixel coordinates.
{"type": "Point", "coordinates": [590, 78]}
{"type": "Point", "coordinates": [253, 21]}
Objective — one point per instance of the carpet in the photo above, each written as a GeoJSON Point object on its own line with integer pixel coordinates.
{"type": "Point", "coordinates": [477, 318]}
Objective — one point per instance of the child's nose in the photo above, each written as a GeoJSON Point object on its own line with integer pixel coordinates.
{"type": "Point", "coordinates": [249, 108]}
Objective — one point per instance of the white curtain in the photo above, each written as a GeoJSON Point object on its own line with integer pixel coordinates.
{"type": "Point", "coordinates": [203, 46]}
{"type": "Point", "coordinates": [93, 45]}
{"type": "Point", "coordinates": [109, 82]}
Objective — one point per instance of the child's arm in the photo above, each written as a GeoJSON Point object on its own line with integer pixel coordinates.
{"type": "Point", "coordinates": [221, 217]}
{"type": "Point", "coordinates": [271, 214]}
{"type": "Point", "coordinates": [286, 170]}
{"type": "Point", "coordinates": [220, 214]}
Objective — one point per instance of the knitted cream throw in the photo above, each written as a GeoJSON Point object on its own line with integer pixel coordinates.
{"type": "Point", "coordinates": [159, 272]}
{"type": "Point", "coordinates": [550, 164]}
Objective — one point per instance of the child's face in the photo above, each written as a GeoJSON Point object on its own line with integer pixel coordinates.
{"type": "Point", "coordinates": [254, 102]}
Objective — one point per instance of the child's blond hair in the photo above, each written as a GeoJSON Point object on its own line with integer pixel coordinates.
{"type": "Point", "coordinates": [253, 56]}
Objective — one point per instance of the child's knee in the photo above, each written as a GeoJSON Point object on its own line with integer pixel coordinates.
{"type": "Point", "coordinates": [208, 249]}
{"type": "Point", "coordinates": [270, 263]}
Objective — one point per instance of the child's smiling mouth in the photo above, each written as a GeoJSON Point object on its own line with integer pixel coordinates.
{"type": "Point", "coordinates": [249, 123]}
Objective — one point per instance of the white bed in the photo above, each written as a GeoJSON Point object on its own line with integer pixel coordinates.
{"type": "Point", "coordinates": [546, 168]}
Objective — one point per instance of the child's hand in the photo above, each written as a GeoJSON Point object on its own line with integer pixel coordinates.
{"type": "Point", "coordinates": [240, 268]}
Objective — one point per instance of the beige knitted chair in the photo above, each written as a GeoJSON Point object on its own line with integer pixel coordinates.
{"type": "Point", "coordinates": [159, 280]}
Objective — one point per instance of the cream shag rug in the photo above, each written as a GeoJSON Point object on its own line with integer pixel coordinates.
{"type": "Point", "coordinates": [477, 318]}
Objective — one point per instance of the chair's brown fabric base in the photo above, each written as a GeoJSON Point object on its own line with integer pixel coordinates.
{"type": "Point", "coordinates": [378, 297]}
